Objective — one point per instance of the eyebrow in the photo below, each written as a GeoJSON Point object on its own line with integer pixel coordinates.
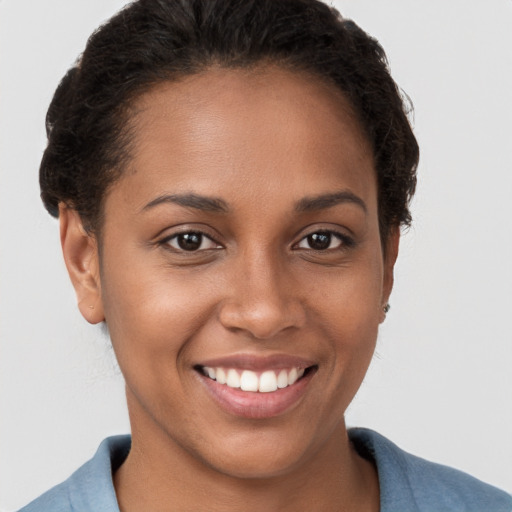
{"type": "Point", "coordinates": [217, 205]}
{"type": "Point", "coordinates": [324, 201]}
{"type": "Point", "coordinates": [203, 203]}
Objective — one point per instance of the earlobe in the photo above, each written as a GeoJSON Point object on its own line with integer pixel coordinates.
{"type": "Point", "coordinates": [80, 252]}
{"type": "Point", "coordinates": [391, 254]}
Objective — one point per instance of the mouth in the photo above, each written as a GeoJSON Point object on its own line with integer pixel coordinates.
{"type": "Point", "coordinates": [267, 381]}
{"type": "Point", "coordinates": [256, 388]}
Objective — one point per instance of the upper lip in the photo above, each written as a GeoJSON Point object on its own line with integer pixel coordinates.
{"type": "Point", "coordinates": [258, 362]}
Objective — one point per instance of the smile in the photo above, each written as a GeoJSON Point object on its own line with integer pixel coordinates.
{"type": "Point", "coordinates": [247, 380]}
{"type": "Point", "coordinates": [256, 388]}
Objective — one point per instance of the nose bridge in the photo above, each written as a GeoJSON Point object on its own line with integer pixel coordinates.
{"type": "Point", "coordinates": [262, 278]}
{"type": "Point", "coordinates": [263, 300]}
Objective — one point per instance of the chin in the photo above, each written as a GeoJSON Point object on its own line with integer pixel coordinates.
{"type": "Point", "coordinates": [260, 455]}
{"type": "Point", "coordinates": [257, 466]}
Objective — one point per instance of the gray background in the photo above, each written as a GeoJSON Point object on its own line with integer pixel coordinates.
{"type": "Point", "coordinates": [440, 385]}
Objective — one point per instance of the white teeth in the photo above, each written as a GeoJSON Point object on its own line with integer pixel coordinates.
{"type": "Point", "coordinates": [266, 382]}
{"type": "Point", "coordinates": [233, 379]}
{"type": "Point", "coordinates": [282, 379]}
{"type": "Point", "coordinates": [220, 375]}
{"type": "Point", "coordinates": [249, 381]}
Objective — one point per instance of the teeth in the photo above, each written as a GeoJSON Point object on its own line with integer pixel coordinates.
{"type": "Point", "coordinates": [266, 382]}
{"type": "Point", "coordinates": [248, 381]}
{"type": "Point", "coordinates": [219, 375]}
{"type": "Point", "coordinates": [233, 379]}
{"type": "Point", "coordinates": [282, 379]}
{"type": "Point", "coordinates": [292, 376]}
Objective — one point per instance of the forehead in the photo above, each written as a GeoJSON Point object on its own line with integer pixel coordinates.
{"type": "Point", "coordinates": [274, 132]}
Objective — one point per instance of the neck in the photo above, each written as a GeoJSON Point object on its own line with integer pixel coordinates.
{"type": "Point", "coordinates": [161, 476]}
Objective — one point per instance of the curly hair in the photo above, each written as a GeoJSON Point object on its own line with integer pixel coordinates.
{"type": "Point", "coordinates": [152, 41]}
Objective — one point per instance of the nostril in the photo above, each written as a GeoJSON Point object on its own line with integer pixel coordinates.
{"type": "Point", "coordinates": [263, 320]}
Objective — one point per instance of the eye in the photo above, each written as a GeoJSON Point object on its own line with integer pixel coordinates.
{"type": "Point", "coordinates": [322, 241]}
{"type": "Point", "coordinates": [191, 241]}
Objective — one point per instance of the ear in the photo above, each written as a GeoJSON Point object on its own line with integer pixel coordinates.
{"type": "Point", "coordinates": [80, 250]}
{"type": "Point", "coordinates": [390, 255]}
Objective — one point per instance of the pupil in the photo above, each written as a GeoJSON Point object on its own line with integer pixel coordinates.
{"type": "Point", "coordinates": [319, 241]}
{"type": "Point", "coordinates": [189, 241]}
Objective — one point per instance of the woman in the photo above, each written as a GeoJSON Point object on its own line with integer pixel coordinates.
{"type": "Point", "coordinates": [230, 182]}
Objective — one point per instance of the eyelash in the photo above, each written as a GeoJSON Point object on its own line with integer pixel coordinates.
{"type": "Point", "coordinates": [345, 242]}
{"type": "Point", "coordinates": [202, 236]}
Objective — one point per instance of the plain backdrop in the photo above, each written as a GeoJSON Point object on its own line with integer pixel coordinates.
{"type": "Point", "coordinates": [441, 382]}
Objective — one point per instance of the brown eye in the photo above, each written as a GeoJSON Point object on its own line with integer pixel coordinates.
{"type": "Point", "coordinates": [321, 241]}
{"type": "Point", "coordinates": [191, 241]}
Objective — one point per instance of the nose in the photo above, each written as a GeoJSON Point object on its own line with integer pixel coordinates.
{"type": "Point", "coordinates": [263, 299]}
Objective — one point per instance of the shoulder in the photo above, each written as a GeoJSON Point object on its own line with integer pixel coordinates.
{"type": "Point", "coordinates": [56, 499]}
{"type": "Point", "coordinates": [410, 483]}
{"type": "Point", "coordinates": [89, 488]}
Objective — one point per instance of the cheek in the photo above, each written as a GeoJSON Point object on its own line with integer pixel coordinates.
{"type": "Point", "coordinates": [349, 313]}
{"type": "Point", "coordinates": [350, 296]}
{"type": "Point", "coordinates": [153, 321]}
{"type": "Point", "coordinates": [152, 312]}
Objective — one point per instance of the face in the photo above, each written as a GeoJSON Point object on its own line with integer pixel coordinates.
{"type": "Point", "coordinates": [242, 248]}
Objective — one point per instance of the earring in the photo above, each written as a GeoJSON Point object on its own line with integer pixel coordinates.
{"type": "Point", "coordinates": [386, 308]}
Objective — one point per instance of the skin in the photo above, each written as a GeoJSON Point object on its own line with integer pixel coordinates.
{"type": "Point", "coordinates": [261, 141]}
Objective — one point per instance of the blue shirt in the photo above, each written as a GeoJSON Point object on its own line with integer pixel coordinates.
{"type": "Point", "coordinates": [407, 483]}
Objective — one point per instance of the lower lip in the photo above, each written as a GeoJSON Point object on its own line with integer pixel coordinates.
{"type": "Point", "coordinates": [257, 405]}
